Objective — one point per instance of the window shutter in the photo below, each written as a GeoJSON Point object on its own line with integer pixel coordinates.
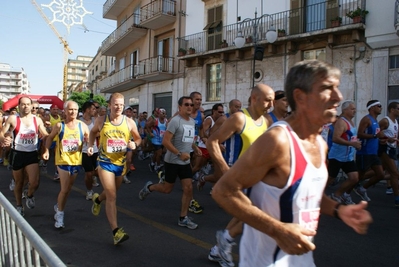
{"type": "Point", "coordinates": [332, 11]}
{"type": "Point", "coordinates": [296, 17]}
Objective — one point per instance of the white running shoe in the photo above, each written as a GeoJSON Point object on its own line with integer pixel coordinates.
{"type": "Point", "coordinates": [89, 195]}
{"type": "Point", "coordinates": [59, 219]}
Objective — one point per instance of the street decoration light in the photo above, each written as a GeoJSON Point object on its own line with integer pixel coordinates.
{"type": "Point", "coordinates": [271, 37]}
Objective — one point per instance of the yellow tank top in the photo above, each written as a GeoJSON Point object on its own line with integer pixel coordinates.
{"type": "Point", "coordinates": [113, 142]}
{"type": "Point", "coordinates": [69, 144]}
{"type": "Point", "coordinates": [54, 121]}
{"type": "Point", "coordinates": [251, 131]}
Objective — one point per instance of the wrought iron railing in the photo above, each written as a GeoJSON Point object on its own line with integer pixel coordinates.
{"type": "Point", "coordinates": [119, 76]}
{"type": "Point", "coordinates": [155, 65]}
{"type": "Point", "coordinates": [107, 5]}
{"type": "Point", "coordinates": [291, 22]}
{"type": "Point", "coordinates": [131, 22]}
{"type": "Point", "coordinates": [158, 6]}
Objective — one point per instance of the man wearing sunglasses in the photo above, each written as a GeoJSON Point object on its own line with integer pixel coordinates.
{"type": "Point", "coordinates": [178, 140]}
{"type": "Point", "coordinates": [369, 133]}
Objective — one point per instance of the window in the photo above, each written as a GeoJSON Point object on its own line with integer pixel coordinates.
{"type": "Point", "coordinates": [214, 27]}
{"type": "Point", "coordinates": [394, 62]}
{"type": "Point", "coordinates": [214, 84]}
{"type": "Point", "coordinates": [319, 54]}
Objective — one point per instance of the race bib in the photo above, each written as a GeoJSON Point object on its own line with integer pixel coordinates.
{"type": "Point", "coordinates": [161, 133]}
{"type": "Point", "coordinates": [188, 133]}
{"type": "Point", "coordinates": [70, 145]}
{"type": "Point", "coordinates": [309, 219]}
{"type": "Point", "coordinates": [27, 139]}
{"type": "Point", "coordinates": [116, 146]}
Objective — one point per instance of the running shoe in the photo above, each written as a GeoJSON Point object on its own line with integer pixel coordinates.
{"type": "Point", "coordinates": [214, 254]}
{"type": "Point", "coordinates": [145, 191]}
{"type": "Point", "coordinates": [132, 168]}
{"type": "Point", "coordinates": [195, 207]}
{"type": "Point", "coordinates": [12, 184]}
{"type": "Point", "coordinates": [95, 209]}
{"type": "Point", "coordinates": [25, 193]}
{"type": "Point", "coordinates": [362, 193]}
{"type": "Point", "coordinates": [347, 199]}
{"type": "Point", "coordinates": [20, 210]}
{"type": "Point", "coordinates": [389, 191]}
{"type": "Point", "coordinates": [1, 160]}
{"type": "Point", "coordinates": [336, 198]}
{"type": "Point", "coordinates": [187, 222]}
{"type": "Point", "coordinates": [161, 176]}
{"type": "Point", "coordinates": [141, 155]}
{"type": "Point", "coordinates": [152, 167]}
{"type": "Point", "coordinates": [120, 236]}
{"type": "Point", "coordinates": [201, 181]}
{"type": "Point", "coordinates": [5, 162]}
{"type": "Point", "coordinates": [59, 219]}
{"type": "Point", "coordinates": [125, 180]}
{"type": "Point", "coordinates": [207, 168]}
{"type": "Point", "coordinates": [30, 202]}
{"type": "Point", "coordinates": [56, 176]}
{"type": "Point", "coordinates": [225, 246]}
{"type": "Point", "coordinates": [95, 181]}
{"type": "Point", "coordinates": [89, 195]}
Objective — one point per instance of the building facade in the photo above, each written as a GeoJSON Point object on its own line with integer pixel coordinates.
{"type": "Point", "coordinates": [365, 51]}
{"type": "Point", "coordinates": [144, 46]}
{"type": "Point", "coordinates": [77, 72]}
{"type": "Point", "coordinates": [12, 82]}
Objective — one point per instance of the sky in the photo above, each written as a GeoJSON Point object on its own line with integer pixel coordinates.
{"type": "Point", "coordinates": [28, 42]}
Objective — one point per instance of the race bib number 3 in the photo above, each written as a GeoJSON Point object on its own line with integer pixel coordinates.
{"type": "Point", "coordinates": [70, 145]}
{"type": "Point", "coordinates": [116, 146]}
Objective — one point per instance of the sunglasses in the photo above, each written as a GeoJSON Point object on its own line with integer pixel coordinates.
{"type": "Point", "coordinates": [97, 107]}
{"type": "Point", "coordinates": [378, 106]}
{"type": "Point", "coordinates": [35, 108]}
{"type": "Point", "coordinates": [188, 105]}
{"type": "Point", "coordinates": [221, 112]}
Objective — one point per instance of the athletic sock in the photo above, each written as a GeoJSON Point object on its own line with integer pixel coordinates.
{"type": "Point", "coordinates": [226, 235]}
{"type": "Point", "coordinates": [115, 230]}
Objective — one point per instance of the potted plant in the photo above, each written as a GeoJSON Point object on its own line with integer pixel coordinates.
{"type": "Point", "coordinates": [249, 39]}
{"type": "Point", "coordinates": [280, 32]}
{"type": "Point", "coordinates": [357, 15]}
{"type": "Point", "coordinates": [224, 44]}
{"type": "Point", "coordinates": [182, 52]}
{"type": "Point", "coordinates": [191, 50]}
{"type": "Point", "coordinates": [335, 22]}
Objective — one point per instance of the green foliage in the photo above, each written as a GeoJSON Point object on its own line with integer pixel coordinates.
{"type": "Point", "coordinates": [82, 97]}
{"type": "Point", "coordinates": [338, 18]}
{"type": "Point", "coordinates": [358, 12]}
{"type": "Point", "coordinates": [1, 104]}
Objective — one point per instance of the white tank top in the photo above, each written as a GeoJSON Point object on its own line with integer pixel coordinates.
{"type": "Point", "coordinates": [200, 143]}
{"type": "Point", "coordinates": [391, 131]}
{"type": "Point", "coordinates": [85, 144]}
{"type": "Point", "coordinates": [297, 202]}
{"type": "Point", "coordinates": [25, 137]}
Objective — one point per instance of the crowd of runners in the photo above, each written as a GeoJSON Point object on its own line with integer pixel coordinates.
{"type": "Point", "coordinates": [266, 162]}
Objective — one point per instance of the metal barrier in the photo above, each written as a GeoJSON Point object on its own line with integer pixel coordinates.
{"type": "Point", "coordinates": [20, 245]}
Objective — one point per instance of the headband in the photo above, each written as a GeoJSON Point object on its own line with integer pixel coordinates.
{"type": "Point", "coordinates": [373, 104]}
{"type": "Point", "coordinates": [279, 96]}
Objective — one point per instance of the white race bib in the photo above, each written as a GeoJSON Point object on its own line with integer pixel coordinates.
{"type": "Point", "coordinates": [188, 133]}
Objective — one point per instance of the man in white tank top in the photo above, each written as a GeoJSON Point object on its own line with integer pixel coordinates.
{"type": "Point", "coordinates": [285, 174]}
{"type": "Point", "coordinates": [387, 149]}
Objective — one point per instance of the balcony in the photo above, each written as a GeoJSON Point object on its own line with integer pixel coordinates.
{"type": "Point", "coordinates": [158, 13]}
{"type": "Point", "coordinates": [291, 25]}
{"type": "Point", "coordinates": [127, 33]}
{"type": "Point", "coordinates": [155, 69]}
{"type": "Point", "coordinates": [112, 8]}
{"type": "Point", "coordinates": [122, 80]}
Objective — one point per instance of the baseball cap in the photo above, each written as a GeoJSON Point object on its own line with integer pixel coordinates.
{"type": "Point", "coordinates": [128, 108]}
{"type": "Point", "coordinates": [54, 106]}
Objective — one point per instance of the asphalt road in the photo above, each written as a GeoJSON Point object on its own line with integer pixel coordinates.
{"type": "Point", "coordinates": [157, 240]}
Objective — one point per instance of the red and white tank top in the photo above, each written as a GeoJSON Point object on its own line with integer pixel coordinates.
{"type": "Point", "coordinates": [25, 137]}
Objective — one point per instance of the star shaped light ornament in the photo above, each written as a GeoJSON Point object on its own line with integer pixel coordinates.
{"type": "Point", "coordinates": [68, 12]}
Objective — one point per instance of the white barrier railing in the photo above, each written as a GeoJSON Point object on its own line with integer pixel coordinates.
{"type": "Point", "coordinates": [20, 245]}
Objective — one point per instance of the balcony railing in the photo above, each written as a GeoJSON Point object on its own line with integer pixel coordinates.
{"type": "Point", "coordinates": [122, 77]}
{"type": "Point", "coordinates": [291, 22]}
{"type": "Point", "coordinates": [131, 24]}
{"type": "Point", "coordinates": [158, 13]}
{"type": "Point", "coordinates": [155, 65]}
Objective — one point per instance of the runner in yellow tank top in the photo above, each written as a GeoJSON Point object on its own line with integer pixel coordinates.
{"type": "Point", "coordinates": [249, 124]}
{"type": "Point", "coordinates": [69, 136]}
{"type": "Point", "coordinates": [115, 130]}
{"type": "Point", "coordinates": [251, 130]}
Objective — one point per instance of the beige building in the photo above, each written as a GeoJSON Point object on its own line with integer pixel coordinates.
{"type": "Point", "coordinates": [77, 74]}
{"type": "Point", "coordinates": [144, 48]}
{"type": "Point", "coordinates": [222, 66]}
{"type": "Point", "coordinates": [12, 82]}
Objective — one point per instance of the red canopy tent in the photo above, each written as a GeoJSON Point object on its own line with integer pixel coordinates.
{"type": "Point", "coordinates": [42, 99]}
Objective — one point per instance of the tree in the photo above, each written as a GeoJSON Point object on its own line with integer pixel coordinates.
{"type": "Point", "coordinates": [82, 97]}
{"type": "Point", "coordinates": [1, 104]}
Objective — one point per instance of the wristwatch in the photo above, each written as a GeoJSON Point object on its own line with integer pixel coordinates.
{"type": "Point", "coordinates": [178, 154]}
